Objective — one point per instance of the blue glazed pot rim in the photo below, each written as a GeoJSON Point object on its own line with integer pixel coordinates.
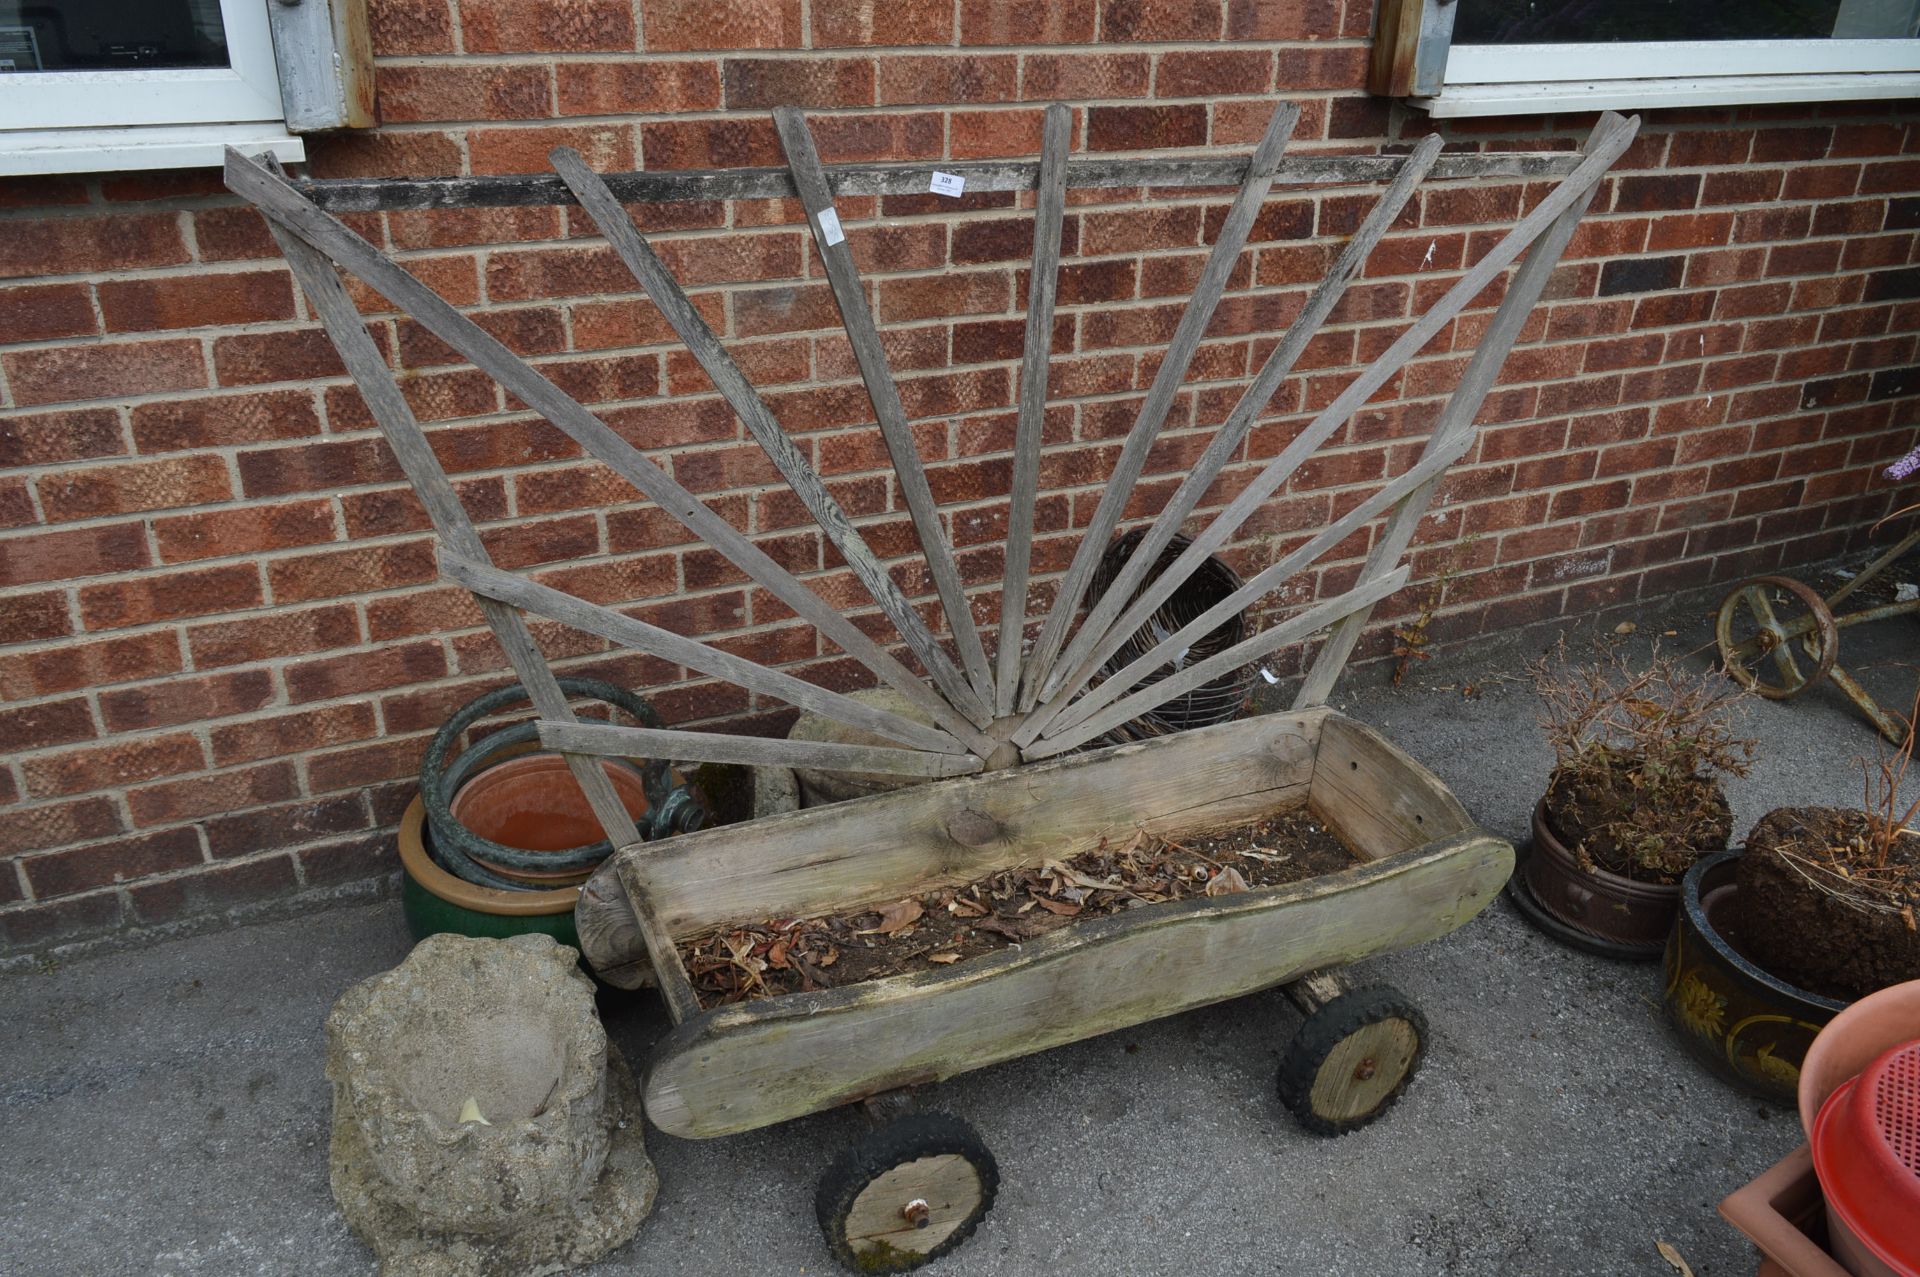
{"type": "Point", "coordinates": [1696, 921]}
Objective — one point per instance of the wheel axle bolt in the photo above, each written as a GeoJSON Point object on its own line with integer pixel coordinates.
{"type": "Point", "coordinates": [1366, 1069]}
{"type": "Point", "coordinates": [917, 1212]}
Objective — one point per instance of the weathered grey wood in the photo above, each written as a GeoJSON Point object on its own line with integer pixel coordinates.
{"type": "Point", "coordinates": [1523, 292]}
{"type": "Point", "coordinates": [810, 179]}
{"type": "Point", "coordinates": [1314, 990]}
{"type": "Point", "coordinates": [609, 931]}
{"type": "Point", "coordinates": [325, 60]}
{"type": "Point", "coordinates": [489, 582]}
{"type": "Point", "coordinates": [1267, 580]}
{"type": "Point", "coordinates": [1037, 356]}
{"type": "Point", "coordinates": [657, 281]}
{"type": "Point", "coordinates": [747, 1066]}
{"type": "Point", "coordinates": [1249, 499]}
{"type": "Point", "coordinates": [714, 747]}
{"type": "Point", "coordinates": [1374, 793]}
{"type": "Point", "coordinates": [1291, 630]}
{"type": "Point", "coordinates": [337, 313]}
{"type": "Point", "coordinates": [1153, 409]}
{"type": "Point", "coordinates": [872, 850]}
{"type": "Point", "coordinates": [1098, 637]}
{"type": "Point", "coordinates": [282, 204]}
{"type": "Point", "coordinates": [371, 194]}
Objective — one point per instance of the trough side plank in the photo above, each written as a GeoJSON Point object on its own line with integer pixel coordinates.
{"type": "Point", "coordinates": [716, 747]}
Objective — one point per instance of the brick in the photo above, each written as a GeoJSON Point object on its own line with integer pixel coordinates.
{"type": "Point", "coordinates": [546, 26]}
{"type": "Point", "coordinates": [200, 300]}
{"type": "Point", "coordinates": [985, 22]}
{"type": "Point", "coordinates": [317, 467]}
{"type": "Point", "coordinates": [812, 81]}
{"type": "Point", "coordinates": [208, 890]}
{"type": "Point", "coordinates": [50, 438]}
{"type": "Point", "coordinates": [357, 570]}
{"type": "Point", "coordinates": [1064, 77]}
{"type": "Point", "coordinates": [58, 824]}
{"type": "Point", "coordinates": [524, 150]}
{"type": "Point", "coordinates": [993, 134]}
{"type": "Point", "coordinates": [78, 869]}
{"type": "Point", "coordinates": [1641, 275]}
{"type": "Point", "coordinates": [859, 138]}
{"type": "Point", "coordinates": [61, 555]}
{"type": "Point", "coordinates": [363, 765]}
{"type": "Point", "coordinates": [1136, 128]}
{"type": "Point", "coordinates": [186, 700]}
{"type": "Point", "coordinates": [401, 27]}
{"type": "Point", "coordinates": [133, 486]}
{"type": "Point", "coordinates": [348, 860]}
{"type": "Point", "coordinates": [1314, 67]}
{"type": "Point", "coordinates": [955, 293]}
{"type": "Point", "coordinates": [289, 825]}
{"type": "Point", "coordinates": [43, 312]}
{"type": "Point", "coordinates": [110, 765]}
{"type": "Point", "coordinates": [632, 88]}
{"type": "Point", "coordinates": [1698, 230]}
{"type": "Point", "coordinates": [283, 632]}
{"type": "Point", "coordinates": [31, 618]}
{"type": "Point", "coordinates": [672, 25]}
{"type": "Point", "coordinates": [378, 153]}
{"type": "Point", "coordinates": [176, 425]}
{"type": "Point", "coordinates": [75, 245]}
{"type": "Point", "coordinates": [170, 596]}
{"type": "Point", "coordinates": [1211, 73]}
{"type": "Point", "coordinates": [416, 94]}
{"type": "Point", "coordinates": [285, 355]}
{"type": "Point", "coordinates": [525, 330]}
{"type": "Point", "coordinates": [1656, 193]}
{"type": "Point", "coordinates": [69, 373]}
{"type": "Point", "coordinates": [73, 666]}
{"type": "Point", "coordinates": [947, 78]}
{"type": "Point", "coordinates": [250, 530]}
{"type": "Point", "coordinates": [1160, 19]}
{"type": "Point", "coordinates": [1284, 20]}
{"type": "Point", "coordinates": [45, 725]}
{"type": "Point", "coordinates": [845, 23]}
{"type": "Point", "coordinates": [439, 396]}
{"type": "Point", "coordinates": [329, 677]}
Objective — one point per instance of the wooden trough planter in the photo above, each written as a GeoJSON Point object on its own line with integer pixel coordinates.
{"type": "Point", "coordinates": [915, 1188]}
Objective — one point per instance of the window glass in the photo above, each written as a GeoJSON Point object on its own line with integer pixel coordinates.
{"type": "Point", "coordinates": [1609, 21]}
{"type": "Point", "coordinates": [109, 35]}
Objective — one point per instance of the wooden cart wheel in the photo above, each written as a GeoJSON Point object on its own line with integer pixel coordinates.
{"type": "Point", "coordinates": [1757, 638]}
{"type": "Point", "coordinates": [906, 1193]}
{"type": "Point", "coordinates": [1351, 1059]}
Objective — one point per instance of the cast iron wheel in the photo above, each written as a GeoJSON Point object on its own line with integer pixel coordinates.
{"type": "Point", "coordinates": [1752, 635]}
{"type": "Point", "coordinates": [906, 1194]}
{"type": "Point", "coordinates": [1351, 1059]}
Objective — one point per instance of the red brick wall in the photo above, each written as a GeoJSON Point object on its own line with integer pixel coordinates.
{"type": "Point", "coordinates": [221, 647]}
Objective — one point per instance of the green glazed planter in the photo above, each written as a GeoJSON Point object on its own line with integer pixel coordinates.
{"type": "Point", "coordinates": [1747, 1027]}
{"type": "Point", "coordinates": [435, 901]}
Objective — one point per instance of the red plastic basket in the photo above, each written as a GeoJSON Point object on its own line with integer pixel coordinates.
{"type": "Point", "coordinates": [1866, 1151]}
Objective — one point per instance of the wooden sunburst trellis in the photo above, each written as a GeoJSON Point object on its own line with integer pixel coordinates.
{"type": "Point", "coordinates": [1021, 705]}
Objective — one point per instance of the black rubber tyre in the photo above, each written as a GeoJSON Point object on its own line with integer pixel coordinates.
{"type": "Point", "coordinates": [892, 1148]}
{"type": "Point", "coordinates": [1351, 1059]}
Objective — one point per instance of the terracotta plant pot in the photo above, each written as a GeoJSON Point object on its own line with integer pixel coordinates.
{"type": "Point", "coordinates": [1749, 1027]}
{"type": "Point", "coordinates": [1854, 1039]}
{"type": "Point", "coordinates": [533, 802]}
{"type": "Point", "coordinates": [1631, 917]}
{"type": "Point", "coordinates": [435, 901]}
{"type": "Point", "coordinates": [1783, 1214]}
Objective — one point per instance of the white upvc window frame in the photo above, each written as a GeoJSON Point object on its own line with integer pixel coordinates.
{"type": "Point", "coordinates": [81, 121]}
{"type": "Point", "coordinates": [1416, 58]}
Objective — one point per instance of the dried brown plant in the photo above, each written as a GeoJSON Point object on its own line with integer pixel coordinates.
{"type": "Point", "coordinates": [1637, 752]}
{"type": "Point", "coordinates": [1883, 777]}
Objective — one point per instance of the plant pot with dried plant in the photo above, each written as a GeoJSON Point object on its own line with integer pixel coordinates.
{"type": "Point", "coordinates": [1634, 797]}
{"type": "Point", "coordinates": [1830, 895]}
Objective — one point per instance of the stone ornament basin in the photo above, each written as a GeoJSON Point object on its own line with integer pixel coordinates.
{"type": "Point", "coordinates": [482, 1124]}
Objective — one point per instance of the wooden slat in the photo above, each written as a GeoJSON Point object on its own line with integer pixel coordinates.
{"type": "Point", "coordinates": [748, 1066]}
{"type": "Point", "coordinates": [1153, 409]}
{"type": "Point", "coordinates": [810, 179]}
{"type": "Point", "coordinates": [337, 313]}
{"type": "Point", "coordinates": [659, 284]}
{"type": "Point", "coordinates": [1245, 652]}
{"type": "Point", "coordinates": [1269, 579]}
{"type": "Point", "coordinates": [280, 202]}
{"type": "Point", "coordinates": [371, 194]}
{"type": "Point", "coordinates": [1610, 136]}
{"type": "Point", "coordinates": [1098, 636]}
{"type": "Point", "coordinates": [1330, 419]}
{"type": "Point", "coordinates": [489, 582]}
{"type": "Point", "coordinates": [1036, 358]}
{"type": "Point", "coordinates": [754, 751]}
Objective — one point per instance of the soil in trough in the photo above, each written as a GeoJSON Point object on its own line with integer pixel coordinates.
{"type": "Point", "coordinates": [940, 927]}
{"type": "Point", "coordinates": [1817, 911]}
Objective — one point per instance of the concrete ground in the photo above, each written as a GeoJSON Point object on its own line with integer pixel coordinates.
{"type": "Point", "coordinates": [163, 1111]}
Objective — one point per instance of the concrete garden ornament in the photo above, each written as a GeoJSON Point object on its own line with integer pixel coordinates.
{"type": "Point", "coordinates": [483, 1126]}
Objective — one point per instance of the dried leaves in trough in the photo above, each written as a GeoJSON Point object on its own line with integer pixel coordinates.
{"type": "Point", "coordinates": [949, 924]}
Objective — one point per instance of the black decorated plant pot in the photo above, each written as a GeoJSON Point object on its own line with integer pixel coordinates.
{"type": "Point", "coordinates": [1746, 1026]}
{"type": "Point", "coordinates": [1629, 918]}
